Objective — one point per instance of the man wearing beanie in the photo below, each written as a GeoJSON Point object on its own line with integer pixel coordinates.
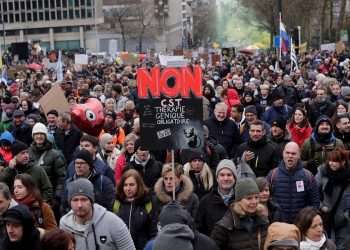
{"type": "Point", "coordinates": [20, 229]}
{"type": "Point", "coordinates": [149, 168]}
{"type": "Point", "coordinates": [20, 130]}
{"type": "Point", "coordinates": [279, 135]}
{"type": "Point", "coordinates": [278, 110]}
{"type": "Point", "coordinates": [92, 225]}
{"type": "Point", "coordinates": [322, 139]}
{"type": "Point", "coordinates": [90, 143]}
{"type": "Point", "coordinates": [21, 164]}
{"type": "Point", "coordinates": [177, 231]}
{"type": "Point", "coordinates": [213, 206]}
{"type": "Point", "coordinates": [84, 169]}
{"type": "Point", "coordinates": [45, 156]}
{"type": "Point", "coordinates": [243, 226]}
{"type": "Point", "coordinates": [108, 150]}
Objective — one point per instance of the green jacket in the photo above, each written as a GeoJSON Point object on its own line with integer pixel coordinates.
{"type": "Point", "coordinates": [53, 162]}
{"type": "Point", "coordinates": [39, 175]}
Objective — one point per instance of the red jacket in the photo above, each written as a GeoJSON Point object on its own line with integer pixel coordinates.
{"type": "Point", "coordinates": [232, 99]}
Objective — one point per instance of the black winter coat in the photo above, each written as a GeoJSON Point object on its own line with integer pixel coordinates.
{"type": "Point", "coordinates": [266, 155]}
{"type": "Point", "coordinates": [211, 209]}
{"type": "Point", "coordinates": [150, 173]}
{"type": "Point", "coordinates": [103, 187]}
{"type": "Point", "coordinates": [22, 133]}
{"type": "Point", "coordinates": [142, 223]}
{"type": "Point", "coordinates": [225, 132]}
{"type": "Point", "coordinates": [67, 143]}
{"type": "Point", "coordinates": [238, 231]}
{"type": "Point", "coordinates": [315, 110]}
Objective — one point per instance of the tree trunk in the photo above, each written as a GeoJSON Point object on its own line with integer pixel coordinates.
{"type": "Point", "coordinates": [331, 17]}
{"type": "Point", "coordinates": [323, 20]}
{"type": "Point", "coordinates": [141, 39]}
{"type": "Point", "coordinates": [341, 19]}
{"type": "Point", "coordinates": [122, 31]}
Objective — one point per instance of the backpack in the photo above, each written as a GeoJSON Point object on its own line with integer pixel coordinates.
{"type": "Point", "coordinates": [116, 206]}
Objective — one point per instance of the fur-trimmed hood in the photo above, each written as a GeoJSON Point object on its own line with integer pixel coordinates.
{"type": "Point", "coordinates": [183, 195]}
{"type": "Point", "coordinates": [232, 218]}
{"type": "Point", "coordinates": [205, 175]}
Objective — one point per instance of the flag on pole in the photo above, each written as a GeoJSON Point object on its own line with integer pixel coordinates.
{"type": "Point", "coordinates": [4, 77]}
{"type": "Point", "coordinates": [293, 57]}
{"type": "Point", "coordinates": [284, 39]}
{"type": "Point", "coordinates": [59, 67]}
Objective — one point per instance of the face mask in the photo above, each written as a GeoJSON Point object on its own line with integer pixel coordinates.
{"type": "Point", "coordinates": [216, 78]}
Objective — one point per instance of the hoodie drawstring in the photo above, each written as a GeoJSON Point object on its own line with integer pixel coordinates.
{"type": "Point", "coordinates": [97, 247]}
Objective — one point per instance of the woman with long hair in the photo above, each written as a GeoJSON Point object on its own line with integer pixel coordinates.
{"type": "Point", "coordinates": [134, 206]}
{"type": "Point", "coordinates": [26, 192]}
{"type": "Point", "coordinates": [299, 126]}
{"type": "Point", "coordinates": [310, 224]}
{"type": "Point", "coordinates": [124, 158]}
{"type": "Point", "coordinates": [333, 179]}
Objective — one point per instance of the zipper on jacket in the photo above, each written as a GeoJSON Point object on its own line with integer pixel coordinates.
{"type": "Point", "coordinates": [130, 217]}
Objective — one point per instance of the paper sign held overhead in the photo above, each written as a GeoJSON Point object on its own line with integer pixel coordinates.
{"type": "Point", "coordinates": [81, 59]}
{"type": "Point", "coordinates": [54, 99]}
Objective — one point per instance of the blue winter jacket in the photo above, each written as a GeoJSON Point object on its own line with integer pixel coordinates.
{"type": "Point", "coordinates": [293, 190]}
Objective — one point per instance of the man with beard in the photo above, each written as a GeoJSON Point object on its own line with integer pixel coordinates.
{"type": "Point", "coordinates": [342, 129]}
{"type": "Point", "coordinates": [258, 152]}
{"type": "Point", "coordinates": [111, 127]}
{"type": "Point", "coordinates": [279, 135]}
{"type": "Point", "coordinates": [320, 106]}
{"type": "Point", "coordinates": [128, 112]}
{"type": "Point", "coordinates": [238, 84]}
{"type": "Point", "coordinates": [322, 139]}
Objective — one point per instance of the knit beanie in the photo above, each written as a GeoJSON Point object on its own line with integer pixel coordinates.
{"type": "Point", "coordinates": [18, 147]}
{"type": "Point", "coordinates": [195, 154]}
{"type": "Point", "coordinates": [228, 164]}
{"type": "Point", "coordinates": [86, 156]}
{"type": "Point", "coordinates": [104, 139]}
{"type": "Point", "coordinates": [345, 91]}
{"type": "Point", "coordinates": [39, 128]}
{"type": "Point", "coordinates": [81, 186]}
{"type": "Point", "coordinates": [245, 187]}
{"type": "Point", "coordinates": [174, 236]}
{"type": "Point", "coordinates": [251, 109]}
{"type": "Point", "coordinates": [174, 212]}
{"type": "Point", "coordinates": [280, 123]}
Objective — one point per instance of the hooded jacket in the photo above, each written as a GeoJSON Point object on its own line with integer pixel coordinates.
{"type": "Point", "coordinates": [314, 150]}
{"type": "Point", "coordinates": [184, 194]}
{"type": "Point", "coordinates": [106, 231]}
{"type": "Point", "coordinates": [53, 163]}
{"type": "Point", "coordinates": [31, 236]}
{"type": "Point", "coordinates": [239, 231]}
{"type": "Point", "coordinates": [203, 183]}
{"type": "Point", "coordinates": [39, 175]}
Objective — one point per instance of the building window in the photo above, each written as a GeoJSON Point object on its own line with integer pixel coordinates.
{"type": "Point", "coordinates": [17, 17]}
{"type": "Point", "coordinates": [83, 15]}
{"type": "Point", "coordinates": [29, 17]}
{"type": "Point", "coordinates": [23, 17]}
{"type": "Point", "coordinates": [53, 15]}
{"type": "Point", "coordinates": [4, 6]}
{"type": "Point", "coordinates": [46, 3]}
{"type": "Point", "coordinates": [16, 5]}
{"type": "Point", "coordinates": [89, 13]}
{"type": "Point", "coordinates": [11, 18]}
{"type": "Point", "coordinates": [77, 14]}
{"type": "Point", "coordinates": [71, 14]}
{"type": "Point", "coordinates": [23, 6]}
{"type": "Point", "coordinates": [59, 15]}
{"type": "Point", "coordinates": [76, 3]}
{"type": "Point", "coordinates": [10, 6]}
{"type": "Point", "coordinates": [47, 15]}
{"type": "Point", "coordinates": [41, 16]}
{"type": "Point", "coordinates": [58, 3]}
{"type": "Point", "coordinates": [52, 4]}
{"type": "Point", "coordinates": [64, 2]}
{"type": "Point", "coordinates": [40, 5]}
{"type": "Point", "coordinates": [5, 19]}
{"type": "Point", "coordinates": [35, 16]}
{"type": "Point", "coordinates": [65, 15]}
{"type": "Point", "coordinates": [35, 6]}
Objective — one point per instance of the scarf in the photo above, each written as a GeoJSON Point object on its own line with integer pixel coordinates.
{"type": "Point", "coordinates": [340, 177]}
{"type": "Point", "coordinates": [226, 197]}
{"type": "Point", "coordinates": [323, 138]}
{"type": "Point", "coordinates": [308, 244]}
{"type": "Point", "coordinates": [28, 200]}
{"type": "Point", "coordinates": [139, 162]}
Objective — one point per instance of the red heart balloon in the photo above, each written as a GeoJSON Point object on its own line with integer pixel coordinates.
{"type": "Point", "coordinates": [89, 116]}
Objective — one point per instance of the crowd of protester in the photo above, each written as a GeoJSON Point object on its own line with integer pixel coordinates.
{"type": "Point", "coordinates": [273, 172]}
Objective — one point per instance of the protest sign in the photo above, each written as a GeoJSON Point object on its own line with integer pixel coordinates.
{"type": "Point", "coordinates": [54, 99]}
{"type": "Point", "coordinates": [171, 108]}
{"type": "Point", "coordinates": [81, 59]}
{"type": "Point", "coordinates": [173, 61]}
{"type": "Point", "coordinates": [339, 47]}
{"type": "Point", "coordinates": [328, 47]}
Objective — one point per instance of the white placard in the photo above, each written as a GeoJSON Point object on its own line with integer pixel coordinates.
{"type": "Point", "coordinates": [81, 59]}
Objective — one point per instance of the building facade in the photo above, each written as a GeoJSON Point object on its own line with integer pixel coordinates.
{"type": "Point", "coordinates": [57, 24]}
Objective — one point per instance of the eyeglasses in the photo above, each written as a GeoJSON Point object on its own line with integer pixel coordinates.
{"type": "Point", "coordinates": [80, 163]}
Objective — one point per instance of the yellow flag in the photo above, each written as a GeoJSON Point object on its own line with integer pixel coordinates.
{"type": "Point", "coordinates": [303, 48]}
